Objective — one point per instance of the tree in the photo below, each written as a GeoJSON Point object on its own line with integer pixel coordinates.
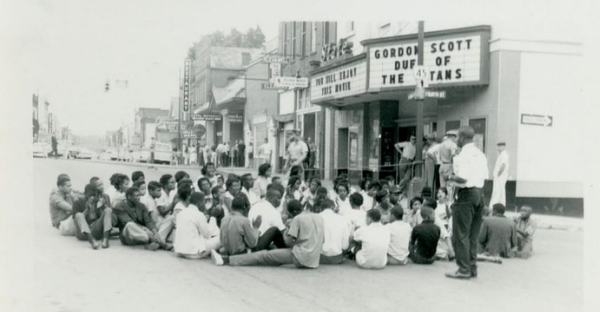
{"type": "Point", "coordinates": [255, 38]}
{"type": "Point", "coordinates": [234, 39]}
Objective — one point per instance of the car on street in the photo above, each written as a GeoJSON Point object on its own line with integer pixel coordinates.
{"type": "Point", "coordinates": [72, 152]}
{"type": "Point", "coordinates": [163, 153]}
{"type": "Point", "coordinates": [113, 154]}
{"type": "Point", "coordinates": [41, 150]}
{"type": "Point", "coordinates": [85, 154]}
{"type": "Point", "coordinates": [144, 156]}
{"type": "Point", "coordinates": [105, 155]}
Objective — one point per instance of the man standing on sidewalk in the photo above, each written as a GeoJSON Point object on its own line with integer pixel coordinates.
{"type": "Point", "coordinates": [470, 172]}
{"type": "Point", "coordinates": [407, 152]}
{"type": "Point", "coordinates": [500, 176]}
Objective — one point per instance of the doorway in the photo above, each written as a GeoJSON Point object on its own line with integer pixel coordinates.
{"type": "Point", "coordinates": [343, 150]}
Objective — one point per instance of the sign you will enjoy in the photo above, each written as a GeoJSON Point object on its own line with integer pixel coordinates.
{"type": "Point", "coordinates": [339, 82]}
{"type": "Point", "coordinates": [290, 82]}
{"type": "Point", "coordinates": [450, 60]}
{"type": "Point", "coordinates": [186, 86]}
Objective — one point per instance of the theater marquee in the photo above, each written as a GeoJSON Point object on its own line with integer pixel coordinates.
{"type": "Point", "coordinates": [342, 81]}
{"type": "Point", "coordinates": [452, 58]}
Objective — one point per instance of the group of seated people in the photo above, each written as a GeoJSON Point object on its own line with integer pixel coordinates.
{"type": "Point", "coordinates": [245, 221]}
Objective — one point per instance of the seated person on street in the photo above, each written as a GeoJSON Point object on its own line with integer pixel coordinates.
{"type": "Point", "coordinates": [151, 200]}
{"type": "Point", "coordinates": [238, 236]}
{"type": "Point", "coordinates": [294, 208]}
{"type": "Point", "coordinates": [272, 226]}
{"type": "Point", "coordinates": [413, 215]}
{"type": "Point", "coordinates": [525, 229]}
{"type": "Point", "coordinates": [137, 176]}
{"type": "Point", "coordinates": [276, 180]}
{"type": "Point", "coordinates": [337, 234]}
{"type": "Point", "coordinates": [305, 236]}
{"type": "Point", "coordinates": [248, 189]}
{"type": "Point", "coordinates": [383, 205]}
{"type": "Point", "coordinates": [395, 195]}
{"type": "Point", "coordinates": [135, 223]}
{"type": "Point", "coordinates": [498, 236]}
{"type": "Point", "coordinates": [357, 217]}
{"type": "Point", "coordinates": [93, 218]}
{"type": "Point", "coordinates": [424, 238]}
{"type": "Point", "coordinates": [400, 232]}
{"type": "Point", "coordinates": [372, 241]}
{"type": "Point", "coordinates": [61, 207]}
{"type": "Point", "coordinates": [309, 195]}
{"type": "Point", "coordinates": [444, 250]}
{"type": "Point", "coordinates": [193, 239]}
{"type": "Point", "coordinates": [200, 202]}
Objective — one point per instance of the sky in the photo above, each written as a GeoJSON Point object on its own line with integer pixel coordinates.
{"type": "Point", "coordinates": [66, 50]}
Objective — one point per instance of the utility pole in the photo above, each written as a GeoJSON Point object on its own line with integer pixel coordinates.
{"type": "Point", "coordinates": [420, 104]}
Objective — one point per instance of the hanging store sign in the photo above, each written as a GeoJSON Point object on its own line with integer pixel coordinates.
{"type": "Point", "coordinates": [451, 58]}
{"type": "Point", "coordinates": [236, 118]}
{"type": "Point", "coordinates": [207, 117]}
{"type": "Point", "coordinates": [275, 59]}
{"type": "Point", "coordinates": [342, 81]}
{"type": "Point", "coordinates": [186, 86]}
{"type": "Point", "coordinates": [290, 82]}
{"type": "Point", "coordinates": [188, 134]}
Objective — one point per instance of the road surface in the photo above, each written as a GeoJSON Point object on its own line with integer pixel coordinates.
{"type": "Point", "coordinates": [70, 276]}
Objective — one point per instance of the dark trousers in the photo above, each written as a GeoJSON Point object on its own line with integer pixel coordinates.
{"type": "Point", "coordinates": [436, 181]}
{"type": "Point", "coordinates": [272, 235]}
{"type": "Point", "coordinates": [467, 216]}
{"type": "Point", "coordinates": [418, 258]}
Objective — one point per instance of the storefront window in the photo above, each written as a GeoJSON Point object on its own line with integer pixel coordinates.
{"type": "Point", "coordinates": [479, 126]}
{"type": "Point", "coordinates": [374, 136]}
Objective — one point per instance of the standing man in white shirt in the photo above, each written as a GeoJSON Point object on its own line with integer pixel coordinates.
{"type": "Point", "coordinates": [470, 172]}
{"type": "Point", "coordinates": [265, 152]}
{"type": "Point", "coordinates": [337, 234]}
{"type": "Point", "coordinates": [432, 162]}
{"type": "Point", "coordinates": [407, 151]}
{"type": "Point", "coordinates": [500, 176]}
{"type": "Point", "coordinates": [297, 151]}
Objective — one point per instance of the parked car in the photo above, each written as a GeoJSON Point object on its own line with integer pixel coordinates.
{"type": "Point", "coordinates": [144, 156]}
{"type": "Point", "coordinates": [72, 152]}
{"type": "Point", "coordinates": [41, 150]}
{"type": "Point", "coordinates": [85, 154]}
{"type": "Point", "coordinates": [114, 154]}
{"type": "Point", "coordinates": [104, 156]}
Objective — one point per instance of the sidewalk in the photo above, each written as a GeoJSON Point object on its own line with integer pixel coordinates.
{"type": "Point", "coordinates": [543, 221]}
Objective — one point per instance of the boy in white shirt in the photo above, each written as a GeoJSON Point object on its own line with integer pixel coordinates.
{"type": "Point", "coordinates": [337, 235]}
{"type": "Point", "coordinates": [375, 240]}
{"type": "Point", "coordinates": [194, 239]}
{"type": "Point", "coordinates": [356, 217]}
{"type": "Point", "coordinates": [399, 238]}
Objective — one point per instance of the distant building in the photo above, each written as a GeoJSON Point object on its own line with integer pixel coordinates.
{"type": "Point", "coordinates": [146, 120]}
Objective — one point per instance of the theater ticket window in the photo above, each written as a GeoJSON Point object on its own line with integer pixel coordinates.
{"type": "Point", "coordinates": [479, 126]}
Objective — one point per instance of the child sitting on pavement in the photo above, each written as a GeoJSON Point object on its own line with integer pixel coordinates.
{"type": "Point", "coordinates": [424, 238]}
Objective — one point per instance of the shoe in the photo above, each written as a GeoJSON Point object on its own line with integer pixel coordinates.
{"type": "Point", "coordinates": [216, 257]}
{"type": "Point", "coordinates": [105, 243]}
{"type": "Point", "coordinates": [473, 274]}
{"type": "Point", "coordinates": [167, 246]}
{"type": "Point", "coordinates": [459, 275]}
{"type": "Point", "coordinates": [152, 246]}
{"type": "Point", "coordinates": [95, 244]}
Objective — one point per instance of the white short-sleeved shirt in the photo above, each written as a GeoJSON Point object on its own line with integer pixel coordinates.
{"type": "Point", "coordinates": [440, 213]}
{"type": "Point", "coordinates": [502, 160]}
{"type": "Point", "coordinates": [357, 218]}
{"type": "Point", "coordinates": [400, 232]}
{"type": "Point", "coordinates": [471, 165]}
{"type": "Point", "coordinates": [409, 150]}
{"type": "Point", "coordinates": [149, 202]}
{"type": "Point", "coordinates": [297, 150]}
{"type": "Point", "coordinates": [375, 240]}
{"type": "Point", "coordinates": [271, 217]}
{"type": "Point", "coordinates": [367, 201]}
{"type": "Point", "coordinates": [344, 206]}
{"type": "Point", "coordinates": [115, 196]}
{"type": "Point", "coordinates": [434, 150]}
{"type": "Point", "coordinates": [191, 232]}
{"type": "Point", "coordinates": [337, 233]}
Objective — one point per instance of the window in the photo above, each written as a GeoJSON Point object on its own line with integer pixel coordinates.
{"type": "Point", "coordinates": [479, 126]}
{"type": "Point", "coordinates": [293, 40]}
{"type": "Point", "coordinates": [313, 38]}
{"type": "Point", "coordinates": [303, 48]}
{"type": "Point", "coordinates": [245, 58]}
{"type": "Point", "coordinates": [452, 125]}
{"type": "Point", "coordinates": [326, 35]}
{"type": "Point", "coordinates": [284, 45]}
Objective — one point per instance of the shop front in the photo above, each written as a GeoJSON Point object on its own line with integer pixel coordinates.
{"type": "Point", "coordinates": [369, 94]}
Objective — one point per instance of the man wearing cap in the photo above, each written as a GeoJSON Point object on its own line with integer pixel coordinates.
{"type": "Point", "coordinates": [447, 150]}
{"type": "Point", "coordinates": [470, 170]}
{"type": "Point", "coordinates": [407, 152]}
{"type": "Point", "coordinates": [500, 176]}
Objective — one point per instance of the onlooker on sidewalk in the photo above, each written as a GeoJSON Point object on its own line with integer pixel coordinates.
{"type": "Point", "coordinates": [500, 176]}
{"type": "Point", "coordinates": [265, 152]}
{"type": "Point", "coordinates": [250, 156]}
{"type": "Point", "coordinates": [407, 151]}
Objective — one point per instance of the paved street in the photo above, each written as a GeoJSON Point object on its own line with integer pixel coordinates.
{"type": "Point", "coordinates": [70, 276]}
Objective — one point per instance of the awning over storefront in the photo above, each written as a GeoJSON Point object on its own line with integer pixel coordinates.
{"type": "Point", "coordinates": [232, 96]}
{"type": "Point", "coordinates": [286, 117]}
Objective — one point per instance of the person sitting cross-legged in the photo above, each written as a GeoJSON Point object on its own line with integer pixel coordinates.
{"type": "Point", "coordinates": [372, 242]}
{"type": "Point", "coordinates": [526, 227]}
{"type": "Point", "coordinates": [193, 238]}
{"type": "Point", "coordinates": [272, 226]}
{"type": "Point", "coordinates": [400, 232]}
{"type": "Point", "coordinates": [93, 218]}
{"type": "Point", "coordinates": [424, 238]}
{"type": "Point", "coordinates": [498, 236]}
{"type": "Point", "coordinates": [135, 223]}
{"type": "Point", "coordinates": [238, 236]}
{"type": "Point", "coordinates": [337, 234]}
{"type": "Point", "coordinates": [305, 236]}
